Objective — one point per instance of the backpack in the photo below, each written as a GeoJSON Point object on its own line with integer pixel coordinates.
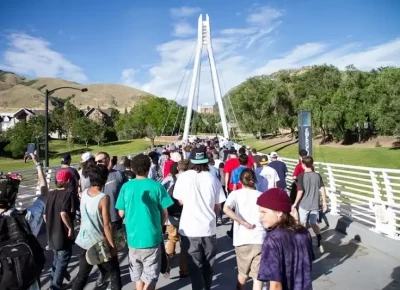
{"type": "Point", "coordinates": [175, 209]}
{"type": "Point", "coordinates": [21, 256]}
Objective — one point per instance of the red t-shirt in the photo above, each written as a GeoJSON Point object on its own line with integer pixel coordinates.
{"type": "Point", "coordinates": [167, 167]}
{"type": "Point", "coordinates": [251, 161]}
{"type": "Point", "coordinates": [298, 170]}
{"type": "Point", "coordinates": [229, 166]}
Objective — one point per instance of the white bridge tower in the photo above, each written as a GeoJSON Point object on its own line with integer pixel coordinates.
{"type": "Point", "coordinates": [204, 39]}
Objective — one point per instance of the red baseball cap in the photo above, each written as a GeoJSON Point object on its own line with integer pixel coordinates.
{"type": "Point", "coordinates": [64, 175]}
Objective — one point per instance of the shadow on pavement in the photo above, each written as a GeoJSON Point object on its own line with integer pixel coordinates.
{"type": "Point", "coordinates": [395, 284]}
{"type": "Point", "coordinates": [336, 252]}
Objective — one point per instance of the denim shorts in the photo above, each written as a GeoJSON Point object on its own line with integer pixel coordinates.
{"type": "Point", "coordinates": [145, 264]}
{"type": "Point", "coordinates": [310, 216]}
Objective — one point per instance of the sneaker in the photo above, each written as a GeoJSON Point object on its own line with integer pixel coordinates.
{"type": "Point", "coordinates": [319, 244]}
{"type": "Point", "coordinates": [102, 280]}
{"type": "Point", "coordinates": [219, 222]}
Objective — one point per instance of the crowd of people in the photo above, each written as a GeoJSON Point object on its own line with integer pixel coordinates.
{"type": "Point", "coordinates": [181, 191]}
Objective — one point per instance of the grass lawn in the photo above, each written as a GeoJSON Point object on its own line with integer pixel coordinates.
{"type": "Point", "coordinates": [59, 147]}
{"type": "Point", "coordinates": [371, 157]}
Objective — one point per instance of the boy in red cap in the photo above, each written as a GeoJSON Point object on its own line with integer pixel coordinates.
{"type": "Point", "coordinates": [60, 231]}
{"type": "Point", "coordinates": [286, 257]}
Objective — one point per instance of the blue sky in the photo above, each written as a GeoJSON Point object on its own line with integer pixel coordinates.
{"type": "Point", "coordinates": [147, 44]}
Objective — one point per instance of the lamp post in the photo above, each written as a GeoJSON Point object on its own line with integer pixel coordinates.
{"type": "Point", "coordinates": [46, 121]}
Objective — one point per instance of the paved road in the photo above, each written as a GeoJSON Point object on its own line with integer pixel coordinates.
{"type": "Point", "coordinates": [345, 264]}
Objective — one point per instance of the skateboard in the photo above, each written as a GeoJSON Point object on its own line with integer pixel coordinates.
{"type": "Point", "coordinates": [101, 251]}
{"type": "Point", "coordinates": [165, 265]}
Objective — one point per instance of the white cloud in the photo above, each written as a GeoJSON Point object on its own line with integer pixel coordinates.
{"type": "Point", "coordinates": [128, 77]}
{"type": "Point", "coordinates": [264, 16]}
{"type": "Point", "coordinates": [183, 12]}
{"type": "Point", "coordinates": [33, 56]}
{"type": "Point", "coordinates": [183, 29]}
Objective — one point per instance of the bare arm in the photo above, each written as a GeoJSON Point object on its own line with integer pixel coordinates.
{"type": "Point", "coordinates": [41, 178]}
{"type": "Point", "coordinates": [226, 180]}
{"type": "Point", "coordinates": [231, 214]}
{"type": "Point", "coordinates": [44, 218]}
{"type": "Point", "coordinates": [234, 186]}
{"type": "Point", "coordinates": [273, 285]}
{"type": "Point", "coordinates": [105, 213]}
{"type": "Point", "coordinates": [121, 213]}
{"type": "Point", "coordinates": [298, 197]}
{"type": "Point", "coordinates": [324, 203]}
{"type": "Point", "coordinates": [67, 222]}
{"type": "Point", "coordinates": [164, 215]}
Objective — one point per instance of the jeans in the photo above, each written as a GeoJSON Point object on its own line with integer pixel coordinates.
{"type": "Point", "coordinates": [200, 255]}
{"type": "Point", "coordinates": [111, 267]}
{"type": "Point", "coordinates": [60, 265]}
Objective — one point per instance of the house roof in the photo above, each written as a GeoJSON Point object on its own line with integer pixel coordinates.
{"type": "Point", "coordinates": [12, 112]}
{"type": "Point", "coordinates": [106, 112]}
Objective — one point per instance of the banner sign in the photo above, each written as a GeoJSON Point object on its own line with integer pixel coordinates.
{"type": "Point", "coordinates": [305, 131]}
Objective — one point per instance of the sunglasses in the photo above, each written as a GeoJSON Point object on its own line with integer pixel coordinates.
{"type": "Point", "coordinates": [102, 161]}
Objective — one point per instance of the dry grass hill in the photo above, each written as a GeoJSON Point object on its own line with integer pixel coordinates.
{"type": "Point", "coordinates": [19, 92]}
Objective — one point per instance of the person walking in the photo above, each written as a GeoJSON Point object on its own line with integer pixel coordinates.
{"type": "Point", "coordinates": [280, 168]}
{"type": "Point", "coordinates": [310, 186]}
{"type": "Point", "coordinates": [143, 203]}
{"type": "Point", "coordinates": [267, 177]}
{"type": "Point", "coordinates": [95, 227]}
{"type": "Point", "coordinates": [286, 255]}
{"type": "Point", "coordinates": [248, 234]}
{"type": "Point", "coordinates": [201, 194]}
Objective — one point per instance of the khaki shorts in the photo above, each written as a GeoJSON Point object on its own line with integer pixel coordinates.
{"type": "Point", "coordinates": [248, 260]}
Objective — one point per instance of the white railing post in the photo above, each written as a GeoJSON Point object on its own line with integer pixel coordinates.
{"type": "Point", "coordinates": [48, 176]}
{"type": "Point", "coordinates": [376, 207]}
{"type": "Point", "coordinates": [332, 192]}
{"type": "Point", "coordinates": [390, 214]}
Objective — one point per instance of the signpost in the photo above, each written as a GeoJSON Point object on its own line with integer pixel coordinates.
{"type": "Point", "coordinates": [305, 131]}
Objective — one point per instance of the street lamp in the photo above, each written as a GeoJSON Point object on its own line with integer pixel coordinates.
{"type": "Point", "coordinates": [46, 121]}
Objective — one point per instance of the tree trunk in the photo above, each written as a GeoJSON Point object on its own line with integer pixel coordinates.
{"type": "Point", "coordinates": [86, 143]}
{"type": "Point", "coordinates": [152, 141]}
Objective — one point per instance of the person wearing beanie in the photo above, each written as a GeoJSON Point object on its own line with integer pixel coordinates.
{"type": "Point", "coordinates": [287, 255]}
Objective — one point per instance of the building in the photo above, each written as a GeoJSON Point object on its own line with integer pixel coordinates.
{"type": "Point", "coordinates": [99, 115]}
{"type": "Point", "coordinates": [9, 118]}
{"type": "Point", "coordinates": [206, 109]}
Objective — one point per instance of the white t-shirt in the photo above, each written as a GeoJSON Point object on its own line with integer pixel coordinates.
{"type": "Point", "coordinates": [199, 192]}
{"type": "Point", "coordinates": [244, 204]}
{"type": "Point", "coordinates": [217, 162]}
{"type": "Point", "coordinates": [271, 175]}
{"type": "Point", "coordinates": [176, 157]}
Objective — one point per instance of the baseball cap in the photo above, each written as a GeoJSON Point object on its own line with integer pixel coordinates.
{"type": "Point", "coordinates": [86, 156]}
{"type": "Point", "coordinates": [248, 147]}
{"type": "Point", "coordinates": [276, 199]}
{"type": "Point", "coordinates": [63, 175]}
{"type": "Point", "coordinates": [198, 155]}
{"type": "Point", "coordinates": [274, 154]}
{"type": "Point", "coordinates": [66, 158]}
{"type": "Point", "coordinates": [264, 160]}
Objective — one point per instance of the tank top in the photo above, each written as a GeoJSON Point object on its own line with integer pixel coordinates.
{"type": "Point", "coordinates": [92, 229]}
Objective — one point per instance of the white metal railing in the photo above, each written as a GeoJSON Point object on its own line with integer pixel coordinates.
{"type": "Point", "coordinates": [368, 195]}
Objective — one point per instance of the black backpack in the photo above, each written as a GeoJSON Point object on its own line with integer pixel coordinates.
{"type": "Point", "coordinates": [21, 256]}
{"type": "Point", "coordinates": [175, 209]}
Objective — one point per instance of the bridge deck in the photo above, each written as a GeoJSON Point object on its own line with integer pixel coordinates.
{"type": "Point", "coordinates": [345, 264]}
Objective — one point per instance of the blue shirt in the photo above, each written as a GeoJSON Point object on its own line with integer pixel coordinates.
{"type": "Point", "coordinates": [281, 169]}
{"type": "Point", "coordinates": [235, 178]}
{"type": "Point", "coordinates": [214, 171]}
{"type": "Point", "coordinates": [262, 183]}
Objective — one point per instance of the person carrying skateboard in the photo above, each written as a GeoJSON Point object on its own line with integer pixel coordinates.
{"type": "Point", "coordinates": [95, 227]}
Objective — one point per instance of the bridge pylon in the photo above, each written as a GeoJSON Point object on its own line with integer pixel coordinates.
{"type": "Point", "coordinates": [204, 40]}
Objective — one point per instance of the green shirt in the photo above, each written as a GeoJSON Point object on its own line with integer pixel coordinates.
{"type": "Point", "coordinates": [143, 200]}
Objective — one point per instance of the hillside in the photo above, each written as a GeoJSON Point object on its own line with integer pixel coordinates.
{"type": "Point", "coordinates": [17, 92]}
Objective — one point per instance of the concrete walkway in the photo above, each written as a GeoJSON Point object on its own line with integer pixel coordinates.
{"type": "Point", "coordinates": [345, 264]}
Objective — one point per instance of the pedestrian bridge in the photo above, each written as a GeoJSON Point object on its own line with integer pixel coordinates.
{"type": "Point", "coordinates": [361, 250]}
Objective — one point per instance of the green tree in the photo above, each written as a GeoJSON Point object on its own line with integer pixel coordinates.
{"type": "Point", "coordinates": [84, 130]}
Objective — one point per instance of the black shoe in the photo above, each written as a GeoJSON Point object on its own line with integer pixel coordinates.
{"type": "Point", "coordinates": [183, 276]}
{"type": "Point", "coordinates": [102, 280]}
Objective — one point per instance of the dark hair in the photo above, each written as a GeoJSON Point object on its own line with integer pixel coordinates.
{"type": "Point", "coordinates": [123, 159]}
{"type": "Point", "coordinates": [199, 167]}
{"type": "Point", "coordinates": [243, 159]}
{"type": "Point", "coordinates": [127, 163]}
{"type": "Point", "coordinates": [254, 150]}
{"type": "Point", "coordinates": [8, 192]}
{"type": "Point", "coordinates": [210, 159]}
{"type": "Point", "coordinates": [98, 174]}
{"type": "Point", "coordinates": [114, 160]}
{"type": "Point", "coordinates": [248, 178]}
{"type": "Point", "coordinates": [308, 161]}
{"type": "Point", "coordinates": [242, 150]}
{"type": "Point", "coordinates": [288, 222]}
{"type": "Point", "coordinates": [174, 169]}
{"type": "Point", "coordinates": [63, 184]}
{"type": "Point", "coordinates": [85, 165]}
{"type": "Point", "coordinates": [303, 152]}
{"type": "Point", "coordinates": [167, 153]}
{"type": "Point", "coordinates": [140, 164]}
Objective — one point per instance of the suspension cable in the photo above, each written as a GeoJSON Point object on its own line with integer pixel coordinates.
{"type": "Point", "coordinates": [197, 94]}
{"type": "Point", "coordinates": [181, 106]}
{"type": "Point", "coordinates": [177, 93]}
